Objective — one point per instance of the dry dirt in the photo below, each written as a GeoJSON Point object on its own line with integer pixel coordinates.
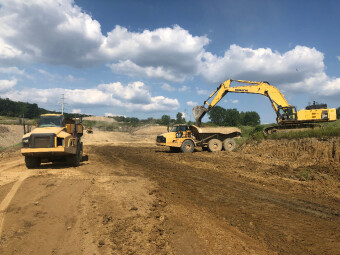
{"type": "Point", "coordinates": [132, 197]}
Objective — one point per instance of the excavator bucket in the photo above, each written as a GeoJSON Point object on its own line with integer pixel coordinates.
{"type": "Point", "coordinates": [199, 112]}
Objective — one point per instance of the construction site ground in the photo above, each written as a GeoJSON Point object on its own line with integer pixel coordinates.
{"type": "Point", "coordinates": [132, 197]}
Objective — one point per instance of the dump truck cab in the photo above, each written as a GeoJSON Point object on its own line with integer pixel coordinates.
{"type": "Point", "coordinates": [175, 137]}
{"type": "Point", "coordinates": [55, 138]}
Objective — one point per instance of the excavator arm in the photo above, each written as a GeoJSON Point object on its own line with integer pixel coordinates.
{"type": "Point", "coordinates": [277, 99]}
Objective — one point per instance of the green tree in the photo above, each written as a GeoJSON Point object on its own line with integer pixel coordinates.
{"type": "Point", "coordinates": [179, 118]}
{"type": "Point", "coordinates": [165, 120]}
{"type": "Point", "coordinates": [217, 115]}
{"type": "Point", "coordinates": [232, 117]}
{"type": "Point", "coordinates": [338, 113]}
{"type": "Point", "coordinates": [249, 118]}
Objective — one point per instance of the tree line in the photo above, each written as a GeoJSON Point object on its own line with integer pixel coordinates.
{"type": "Point", "coordinates": [217, 115]}
{"type": "Point", "coordinates": [232, 117]}
{"type": "Point", "coordinates": [11, 108]}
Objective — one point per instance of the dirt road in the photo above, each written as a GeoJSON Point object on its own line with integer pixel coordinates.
{"type": "Point", "coordinates": [140, 199]}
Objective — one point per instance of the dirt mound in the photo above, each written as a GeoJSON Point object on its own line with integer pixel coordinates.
{"type": "Point", "coordinates": [320, 156]}
{"type": "Point", "coordinates": [100, 118]}
{"type": "Point", "coordinates": [10, 135]}
{"type": "Point", "coordinates": [150, 130]}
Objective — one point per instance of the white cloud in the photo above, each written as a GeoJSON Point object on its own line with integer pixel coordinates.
{"type": "Point", "coordinates": [183, 88]}
{"type": "Point", "coordinates": [338, 57]}
{"type": "Point", "coordinates": [168, 53]}
{"type": "Point", "coordinates": [133, 97]}
{"type": "Point", "coordinates": [234, 101]}
{"type": "Point", "coordinates": [12, 70]}
{"type": "Point", "coordinates": [203, 92]}
{"type": "Point", "coordinates": [110, 114]}
{"type": "Point", "coordinates": [6, 85]}
{"type": "Point", "coordinates": [53, 32]}
{"type": "Point", "coordinates": [61, 33]}
{"type": "Point", "coordinates": [168, 87]}
{"type": "Point", "coordinates": [263, 64]}
{"type": "Point", "coordinates": [191, 103]}
{"type": "Point", "coordinates": [76, 110]}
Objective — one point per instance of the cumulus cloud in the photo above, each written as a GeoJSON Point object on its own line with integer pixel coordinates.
{"type": "Point", "coordinates": [58, 32]}
{"type": "Point", "coordinates": [133, 97]}
{"type": "Point", "coordinates": [183, 88]}
{"type": "Point", "coordinates": [168, 87]}
{"type": "Point", "coordinates": [203, 92]}
{"type": "Point", "coordinates": [258, 64]}
{"type": "Point", "coordinates": [6, 85]}
{"type": "Point", "coordinates": [53, 32]}
{"type": "Point", "coordinates": [191, 103]}
{"type": "Point", "coordinates": [168, 53]}
{"type": "Point", "coordinates": [76, 110]}
{"type": "Point", "coordinates": [12, 70]}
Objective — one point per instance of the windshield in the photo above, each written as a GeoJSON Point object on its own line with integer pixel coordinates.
{"type": "Point", "coordinates": [178, 128]}
{"type": "Point", "coordinates": [50, 121]}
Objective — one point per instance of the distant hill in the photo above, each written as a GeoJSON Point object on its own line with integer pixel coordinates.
{"type": "Point", "coordinates": [11, 108]}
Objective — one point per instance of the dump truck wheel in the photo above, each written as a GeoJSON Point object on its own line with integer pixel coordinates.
{"type": "Point", "coordinates": [229, 144]}
{"type": "Point", "coordinates": [32, 162]}
{"type": "Point", "coordinates": [214, 145]}
{"type": "Point", "coordinates": [74, 160]}
{"type": "Point", "coordinates": [175, 149]}
{"type": "Point", "coordinates": [187, 146]}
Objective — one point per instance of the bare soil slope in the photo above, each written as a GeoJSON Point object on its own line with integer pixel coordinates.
{"type": "Point", "coordinates": [10, 135]}
{"type": "Point", "coordinates": [132, 197]}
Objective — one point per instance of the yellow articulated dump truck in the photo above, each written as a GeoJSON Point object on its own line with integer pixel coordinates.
{"type": "Point", "coordinates": [56, 138]}
{"type": "Point", "coordinates": [185, 138]}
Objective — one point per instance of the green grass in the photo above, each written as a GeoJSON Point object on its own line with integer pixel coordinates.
{"type": "Point", "coordinates": [326, 130]}
{"type": "Point", "coordinates": [11, 146]}
{"type": "Point", "coordinates": [15, 121]}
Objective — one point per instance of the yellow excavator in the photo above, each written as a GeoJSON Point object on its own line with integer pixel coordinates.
{"type": "Point", "coordinates": [287, 116]}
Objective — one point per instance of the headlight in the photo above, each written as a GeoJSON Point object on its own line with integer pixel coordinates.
{"type": "Point", "coordinates": [25, 142]}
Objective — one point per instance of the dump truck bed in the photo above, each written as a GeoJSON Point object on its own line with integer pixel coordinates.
{"type": "Point", "coordinates": [221, 133]}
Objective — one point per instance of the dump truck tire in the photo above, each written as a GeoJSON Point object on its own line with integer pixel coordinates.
{"type": "Point", "coordinates": [229, 144]}
{"type": "Point", "coordinates": [214, 145]}
{"type": "Point", "coordinates": [32, 162]}
{"type": "Point", "coordinates": [74, 160]}
{"type": "Point", "coordinates": [187, 146]}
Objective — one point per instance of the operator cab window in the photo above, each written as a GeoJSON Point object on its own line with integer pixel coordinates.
{"type": "Point", "coordinates": [51, 121]}
{"type": "Point", "coordinates": [182, 128]}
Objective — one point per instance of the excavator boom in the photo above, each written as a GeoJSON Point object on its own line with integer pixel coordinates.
{"type": "Point", "coordinates": [286, 113]}
{"type": "Point", "coordinates": [262, 88]}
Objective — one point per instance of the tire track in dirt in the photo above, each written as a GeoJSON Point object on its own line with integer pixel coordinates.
{"type": "Point", "coordinates": [289, 223]}
{"type": "Point", "coordinates": [7, 200]}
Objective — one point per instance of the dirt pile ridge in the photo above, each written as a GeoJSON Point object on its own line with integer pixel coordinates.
{"type": "Point", "coordinates": [10, 135]}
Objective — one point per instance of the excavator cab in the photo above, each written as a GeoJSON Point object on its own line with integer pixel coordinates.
{"type": "Point", "coordinates": [286, 114]}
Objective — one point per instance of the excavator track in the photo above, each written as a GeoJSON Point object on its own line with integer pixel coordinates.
{"type": "Point", "coordinates": [290, 128]}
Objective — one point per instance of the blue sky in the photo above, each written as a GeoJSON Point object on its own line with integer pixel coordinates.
{"type": "Point", "coordinates": [149, 58]}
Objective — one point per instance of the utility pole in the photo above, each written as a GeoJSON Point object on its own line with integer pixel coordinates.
{"type": "Point", "coordinates": [62, 104]}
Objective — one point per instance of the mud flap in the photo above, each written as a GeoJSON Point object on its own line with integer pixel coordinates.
{"type": "Point", "coordinates": [85, 158]}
